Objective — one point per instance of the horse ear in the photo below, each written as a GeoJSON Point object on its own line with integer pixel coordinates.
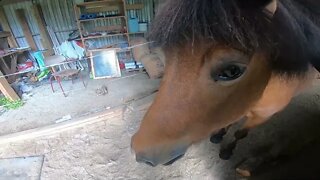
{"type": "Point", "coordinates": [268, 6]}
{"type": "Point", "coordinates": [271, 8]}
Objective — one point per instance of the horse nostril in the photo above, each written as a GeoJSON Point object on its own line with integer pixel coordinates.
{"type": "Point", "coordinates": [146, 161]}
{"type": "Point", "coordinates": [150, 163]}
{"type": "Point", "coordinates": [173, 160]}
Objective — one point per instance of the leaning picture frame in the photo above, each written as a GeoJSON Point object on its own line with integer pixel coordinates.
{"type": "Point", "coordinates": [104, 63]}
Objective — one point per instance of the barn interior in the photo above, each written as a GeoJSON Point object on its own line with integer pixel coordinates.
{"type": "Point", "coordinates": [77, 77]}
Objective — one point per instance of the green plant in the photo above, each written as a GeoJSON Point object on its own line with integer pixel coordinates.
{"type": "Point", "coordinates": [8, 104]}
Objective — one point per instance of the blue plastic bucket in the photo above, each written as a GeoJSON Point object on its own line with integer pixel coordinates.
{"type": "Point", "coordinates": [133, 25]}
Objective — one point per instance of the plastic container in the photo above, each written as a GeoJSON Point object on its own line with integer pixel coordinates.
{"type": "Point", "coordinates": [133, 25]}
{"type": "Point", "coordinates": [143, 27]}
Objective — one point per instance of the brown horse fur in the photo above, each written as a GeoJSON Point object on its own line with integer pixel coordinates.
{"type": "Point", "coordinates": [202, 37]}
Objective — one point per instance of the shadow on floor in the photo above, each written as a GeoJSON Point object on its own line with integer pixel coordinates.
{"type": "Point", "coordinates": [289, 143]}
{"type": "Point", "coordinates": [304, 165]}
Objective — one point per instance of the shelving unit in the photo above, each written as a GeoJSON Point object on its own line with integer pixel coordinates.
{"type": "Point", "coordinates": [106, 18]}
{"type": "Point", "coordinates": [105, 23]}
{"type": "Point", "coordinates": [109, 18]}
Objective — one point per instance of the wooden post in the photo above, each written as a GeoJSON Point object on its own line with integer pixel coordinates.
{"type": "Point", "coordinates": [6, 27]}
{"type": "Point", "coordinates": [9, 69]}
{"type": "Point", "coordinates": [45, 39]}
{"type": "Point", "coordinates": [25, 28]}
{"type": "Point", "coordinates": [7, 90]}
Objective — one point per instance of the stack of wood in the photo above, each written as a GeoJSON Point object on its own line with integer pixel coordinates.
{"type": "Point", "coordinates": [152, 60]}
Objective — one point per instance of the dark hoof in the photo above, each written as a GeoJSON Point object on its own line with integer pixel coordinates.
{"type": "Point", "coordinates": [225, 154]}
{"type": "Point", "coordinates": [216, 139]}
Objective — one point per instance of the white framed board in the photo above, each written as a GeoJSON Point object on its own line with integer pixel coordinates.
{"type": "Point", "coordinates": [104, 63]}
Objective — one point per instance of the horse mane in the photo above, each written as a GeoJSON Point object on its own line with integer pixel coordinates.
{"type": "Point", "coordinates": [291, 36]}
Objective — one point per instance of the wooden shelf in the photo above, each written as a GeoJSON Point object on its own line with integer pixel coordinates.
{"type": "Point", "coordinates": [4, 34]}
{"type": "Point", "coordinates": [102, 18]}
{"type": "Point", "coordinates": [110, 35]}
{"type": "Point", "coordinates": [98, 2]}
{"type": "Point", "coordinates": [134, 6]}
{"type": "Point", "coordinates": [137, 33]}
{"type": "Point", "coordinates": [118, 50]}
{"type": "Point", "coordinates": [104, 36]}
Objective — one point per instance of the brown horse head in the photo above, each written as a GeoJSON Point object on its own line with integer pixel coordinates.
{"type": "Point", "coordinates": [219, 58]}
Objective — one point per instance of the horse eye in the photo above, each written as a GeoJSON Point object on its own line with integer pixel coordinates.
{"type": "Point", "coordinates": [229, 72]}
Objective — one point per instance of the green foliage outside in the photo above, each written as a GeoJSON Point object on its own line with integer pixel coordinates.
{"type": "Point", "coordinates": [8, 104]}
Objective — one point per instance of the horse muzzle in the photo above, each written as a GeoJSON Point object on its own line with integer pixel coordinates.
{"type": "Point", "coordinates": [158, 155]}
{"type": "Point", "coordinates": [154, 161]}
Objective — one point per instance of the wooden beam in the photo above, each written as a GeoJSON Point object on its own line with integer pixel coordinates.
{"type": "Point", "coordinates": [9, 68]}
{"type": "Point", "coordinates": [7, 90]}
{"type": "Point", "coordinates": [95, 9]}
{"type": "Point", "coordinates": [6, 2]}
{"type": "Point", "coordinates": [25, 28]}
{"type": "Point", "coordinates": [13, 68]}
{"type": "Point", "coordinates": [4, 34]}
{"type": "Point", "coordinates": [102, 6]}
{"type": "Point", "coordinates": [6, 27]}
{"type": "Point", "coordinates": [45, 38]}
{"type": "Point", "coordinates": [4, 66]}
{"type": "Point", "coordinates": [94, 3]}
{"type": "Point", "coordinates": [134, 6]}
{"type": "Point", "coordinates": [113, 114]}
{"type": "Point", "coordinates": [108, 28]}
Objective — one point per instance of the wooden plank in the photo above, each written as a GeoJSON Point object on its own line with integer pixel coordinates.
{"type": "Point", "coordinates": [7, 90]}
{"type": "Point", "coordinates": [4, 34]}
{"type": "Point", "coordinates": [77, 13]}
{"type": "Point", "coordinates": [45, 39]}
{"type": "Point", "coordinates": [13, 68]}
{"type": "Point", "coordinates": [134, 6]}
{"type": "Point", "coordinates": [98, 2]}
{"type": "Point", "coordinates": [4, 66]}
{"type": "Point", "coordinates": [4, 43]}
{"type": "Point", "coordinates": [54, 129]}
{"type": "Point", "coordinates": [108, 28]}
{"type": "Point", "coordinates": [9, 69]}
{"type": "Point", "coordinates": [125, 21]}
{"type": "Point", "coordinates": [13, 52]}
{"type": "Point", "coordinates": [103, 18]}
{"type": "Point", "coordinates": [102, 9]}
{"type": "Point", "coordinates": [6, 27]}
{"type": "Point", "coordinates": [116, 3]}
{"type": "Point", "coordinates": [25, 28]}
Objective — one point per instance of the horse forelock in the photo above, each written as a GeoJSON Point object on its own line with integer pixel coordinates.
{"type": "Point", "coordinates": [183, 21]}
{"type": "Point", "coordinates": [286, 36]}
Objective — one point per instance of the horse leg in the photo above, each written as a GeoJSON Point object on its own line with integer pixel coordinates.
{"type": "Point", "coordinates": [227, 152]}
{"type": "Point", "coordinates": [218, 137]}
{"type": "Point", "coordinates": [252, 121]}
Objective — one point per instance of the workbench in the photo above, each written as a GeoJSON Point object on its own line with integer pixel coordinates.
{"type": "Point", "coordinates": [8, 63]}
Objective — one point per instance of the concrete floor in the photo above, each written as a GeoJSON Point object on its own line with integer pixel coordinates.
{"type": "Point", "coordinates": [102, 150]}
{"type": "Point", "coordinates": [21, 168]}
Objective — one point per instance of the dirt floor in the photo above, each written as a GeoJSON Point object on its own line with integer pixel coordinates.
{"type": "Point", "coordinates": [45, 107]}
{"type": "Point", "coordinates": [102, 150]}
